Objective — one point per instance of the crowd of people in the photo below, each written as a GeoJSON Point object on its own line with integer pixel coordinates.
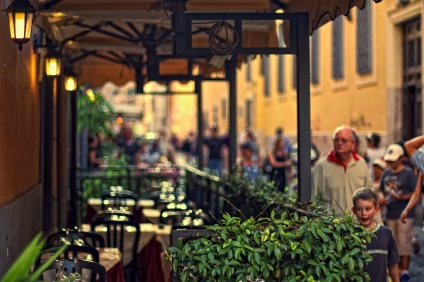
{"type": "Point", "coordinates": [380, 185]}
{"type": "Point", "coordinates": [132, 150]}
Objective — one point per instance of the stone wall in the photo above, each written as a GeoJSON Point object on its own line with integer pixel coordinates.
{"type": "Point", "coordinates": [20, 221]}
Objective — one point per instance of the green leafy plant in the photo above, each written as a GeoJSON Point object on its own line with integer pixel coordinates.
{"type": "Point", "coordinates": [21, 268]}
{"type": "Point", "coordinates": [94, 113]}
{"type": "Point", "coordinates": [253, 196]}
{"type": "Point", "coordinates": [284, 247]}
{"type": "Point", "coordinates": [266, 234]}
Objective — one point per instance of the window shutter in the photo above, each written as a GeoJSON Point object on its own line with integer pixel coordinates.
{"type": "Point", "coordinates": [363, 40]}
{"type": "Point", "coordinates": [338, 54]}
{"type": "Point", "coordinates": [315, 58]}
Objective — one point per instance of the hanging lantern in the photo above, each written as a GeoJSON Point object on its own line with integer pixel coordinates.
{"type": "Point", "coordinates": [53, 64]}
{"type": "Point", "coordinates": [70, 81]}
{"type": "Point", "coordinates": [20, 14]}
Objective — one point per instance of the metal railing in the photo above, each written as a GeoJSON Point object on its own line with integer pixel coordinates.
{"type": "Point", "coordinates": [91, 182]}
{"type": "Point", "coordinates": [200, 187]}
{"type": "Point", "coordinates": [205, 190]}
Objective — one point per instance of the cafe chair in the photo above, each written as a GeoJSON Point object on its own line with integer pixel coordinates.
{"type": "Point", "coordinates": [174, 216]}
{"type": "Point", "coordinates": [118, 234]}
{"type": "Point", "coordinates": [182, 226]}
{"type": "Point", "coordinates": [202, 215]}
{"type": "Point", "coordinates": [118, 215]}
{"type": "Point", "coordinates": [89, 238]}
{"type": "Point", "coordinates": [163, 203]}
{"type": "Point", "coordinates": [89, 271]}
{"type": "Point", "coordinates": [157, 195]}
{"type": "Point", "coordinates": [72, 251]}
{"type": "Point", "coordinates": [120, 199]}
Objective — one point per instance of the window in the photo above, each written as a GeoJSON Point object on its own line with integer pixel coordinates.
{"type": "Point", "coordinates": [363, 40]}
{"type": "Point", "coordinates": [249, 69]}
{"type": "Point", "coordinates": [205, 120]}
{"type": "Point", "coordinates": [248, 113]}
{"type": "Point", "coordinates": [215, 114]}
{"type": "Point", "coordinates": [281, 84]}
{"type": "Point", "coordinates": [315, 58]}
{"type": "Point", "coordinates": [224, 108]}
{"type": "Point", "coordinates": [294, 82]}
{"type": "Point", "coordinates": [338, 63]}
{"type": "Point", "coordinates": [265, 72]}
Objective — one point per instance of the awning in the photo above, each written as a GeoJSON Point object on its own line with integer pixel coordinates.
{"type": "Point", "coordinates": [322, 11]}
{"type": "Point", "coordinates": [108, 40]}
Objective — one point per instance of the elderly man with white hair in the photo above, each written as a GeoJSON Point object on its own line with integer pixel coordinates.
{"type": "Point", "coordinates": [336, 177]}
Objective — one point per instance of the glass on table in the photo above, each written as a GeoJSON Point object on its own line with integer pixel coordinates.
{"type": "Point", "coordinates": [61, 275]}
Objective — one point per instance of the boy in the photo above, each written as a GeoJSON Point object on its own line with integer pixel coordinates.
{"type": "Point", "coordinates": [382, 247]}
{"type": "Point", "coordinates": [398, 183]}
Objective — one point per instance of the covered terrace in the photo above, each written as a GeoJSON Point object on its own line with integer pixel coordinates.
{"type": "Point", "coordinates": [147, 40]}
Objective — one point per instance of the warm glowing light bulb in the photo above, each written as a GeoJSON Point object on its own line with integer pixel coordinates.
{"type": "Point", "coordinates": [70, 83]}
{"type": "Point", "coordinates": [20, 25]}
{"type": "Point", "coordinates": [90, 95]}
{"type": "Point", "coordinates": [53, 66]}
{"type": "Point", "coordinates": [119, 120]}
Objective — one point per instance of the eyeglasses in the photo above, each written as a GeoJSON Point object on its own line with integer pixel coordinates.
{"type": "Point", "coordinates": [344, 141]}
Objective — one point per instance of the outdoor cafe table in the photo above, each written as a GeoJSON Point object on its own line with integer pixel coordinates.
{"type": "Point", "coordinates": [111, 259]}
{"type": "Point", "coordinates": [154, 240]}
{"type": "Point", "coordinates": [95, 204]}
{"type": "Point", "coordinates": [146, 216]}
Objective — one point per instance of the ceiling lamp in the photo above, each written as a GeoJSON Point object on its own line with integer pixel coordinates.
{"type": "Point", "coordinates": [53, 64]}
{"type": "Point", "coordinates": [20, 14]}
{"type": "Point", "coordinates": [70, 80]}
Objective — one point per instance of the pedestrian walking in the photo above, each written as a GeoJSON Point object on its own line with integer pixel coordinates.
{"type": "Point", "coordinates": [382, 246]}
{"type": "Point", "coordinates": [338, 175]}
{"type": "Point", "coordinates": [398, 184]}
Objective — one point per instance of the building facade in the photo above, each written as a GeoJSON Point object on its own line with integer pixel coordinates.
{"type": "Point", "coordinates": [365, 72]}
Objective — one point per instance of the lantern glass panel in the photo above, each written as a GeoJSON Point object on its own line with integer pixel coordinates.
{"type": "Point", "coordinates": [20, 25]}
{"type": "Point", "coordinates": [28, 25]}
{"type": "Point", "coordinates": [10, 15]}
{"type": "Point", "coordinates": [70, 83]}
{"type": "Point", "coordinates": [52, 66]}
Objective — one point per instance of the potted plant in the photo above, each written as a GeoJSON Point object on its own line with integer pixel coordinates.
{"type": "Point", "coordinates": [284, 247]}
{"type": "Point", "coordinates": [285, 242]}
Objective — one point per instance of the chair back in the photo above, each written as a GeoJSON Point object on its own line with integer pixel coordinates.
{"type": "Point", "coordinates": [88, 238]}
{"type": "Point", "coordinates": [166, 200]}
{"type": "Point", "coordinates": [120, 199]}
{"type": "Point", "coordinates": [116, 215]}
{"type": "Point", "coordinates": [119, 233]}
{"type": "Point", "coordinates": [182, 226]}
{"type": "Point", "coordinates": [173, 216]}
{"type": "Point", "coordinates": [89, 271]}
{"type": "Point", "coordinates": [71, 252]}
